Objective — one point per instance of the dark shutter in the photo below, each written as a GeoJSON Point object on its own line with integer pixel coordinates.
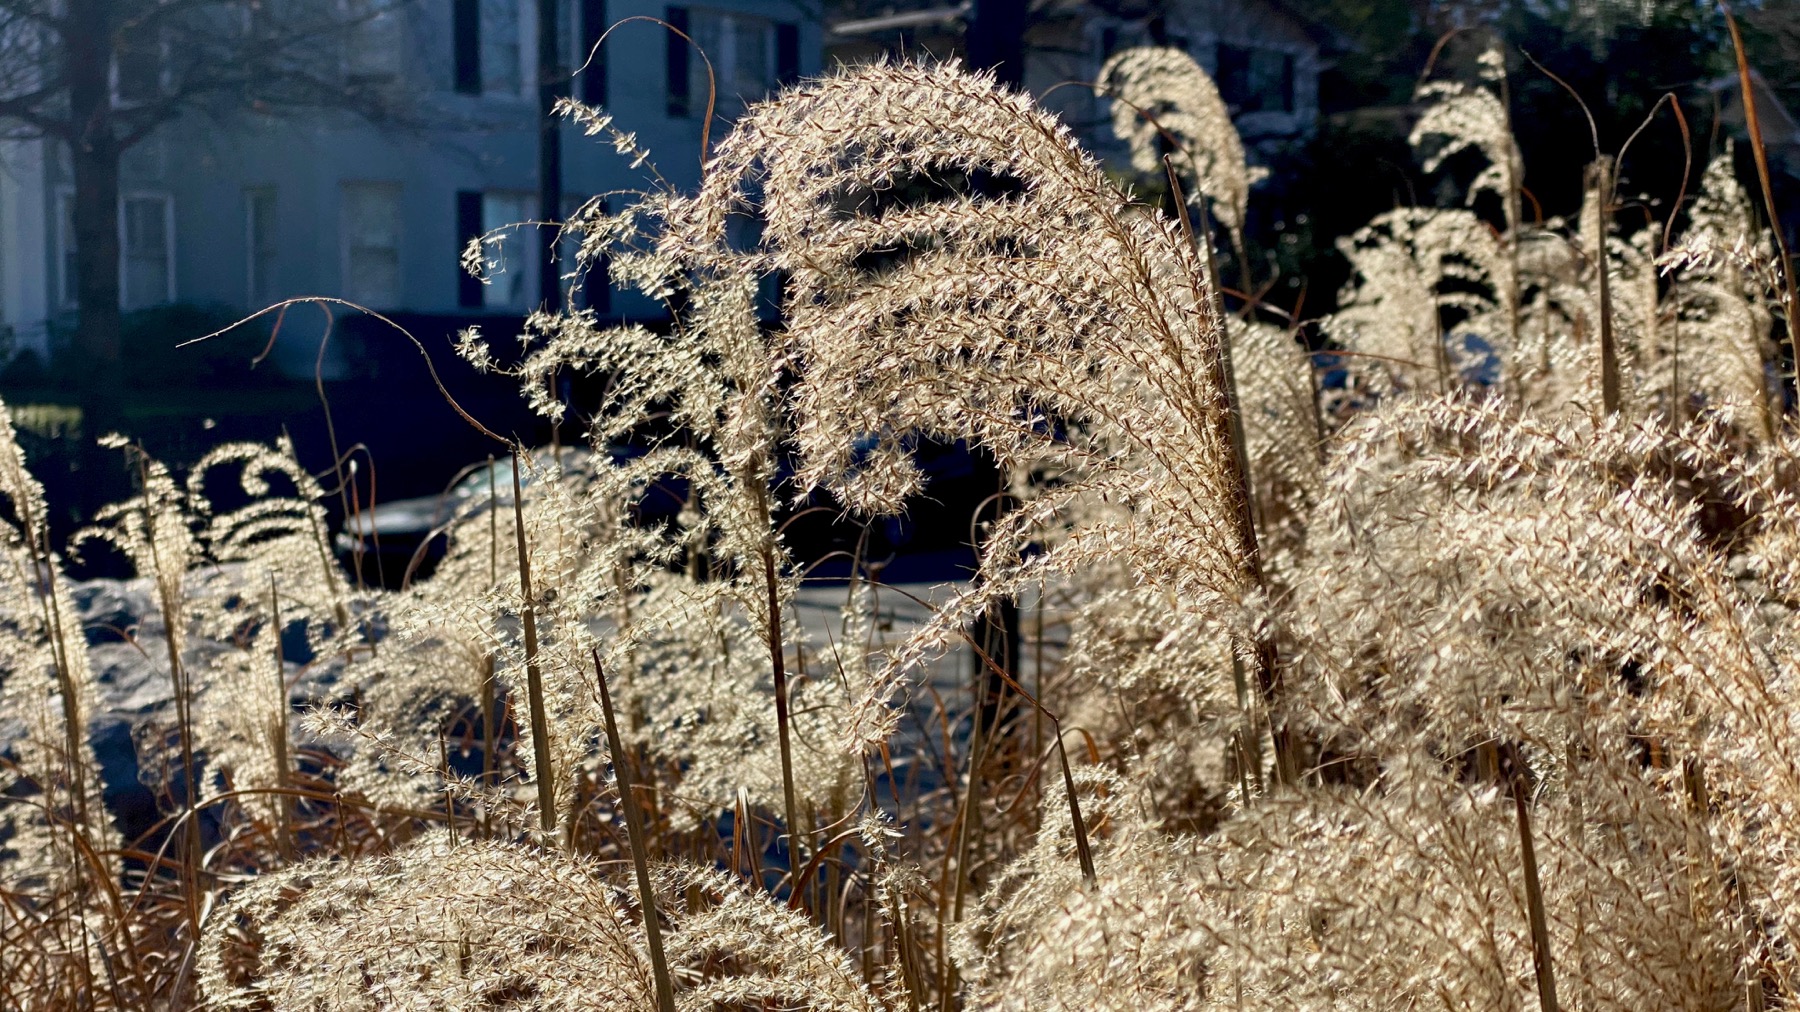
{"type": "Point", "coordinates": [468, 226]}
{"type": "Point", "coordinates": [677, 17]}
{"type": "Point", "coordinates": [787, 53]}
{"type": "Point", "coordinates": [593, 26]}
{"type": "Point", "coordinates": [466, 33]}
{"type": "Point", "coordinates": [1287, 82]}
{"type": "Point", "coordinates": [1234, 77]}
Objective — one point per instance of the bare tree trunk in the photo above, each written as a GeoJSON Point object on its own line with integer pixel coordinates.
{"type": "Point", "coordinates": [96, 168]}
{"type": "Point", "coordinates": [94, 160]}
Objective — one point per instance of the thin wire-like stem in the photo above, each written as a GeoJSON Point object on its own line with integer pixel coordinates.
{"type": "Point", "coordinates": [783, 719]}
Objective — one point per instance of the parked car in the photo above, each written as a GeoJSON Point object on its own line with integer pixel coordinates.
{"type": "Point", "coordinates": [404, 536]}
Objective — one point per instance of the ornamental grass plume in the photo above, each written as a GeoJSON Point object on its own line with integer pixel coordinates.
{"type": "Point", "coordinates": [442, 923]}
{"type": "Point", "coordinates": [57, 845]}
{"type": "Point", "coordinates": [961, 270]}
{"type": "Point", "coordinates": [1468, 685]}
{"type": "Point", "coordinates": [1164, 103]}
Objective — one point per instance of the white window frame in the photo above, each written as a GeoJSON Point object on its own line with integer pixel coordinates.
{"type": "Point", "coordinates": [164, 75]}
{"type": "Point", "coordinates": [344, 236]}
{"type": "Point", "coordinates": [384, 9]}
{"type": "Point", "coordinates": [724, 62]}
{"type": "Point", "coordinates": [518, 247]}
{"type": "Point", "coordinates": [168, 205]}
{"type": "Point", "coordinates": [67, 297]}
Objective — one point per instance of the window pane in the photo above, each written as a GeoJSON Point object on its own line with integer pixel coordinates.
{"type": "Point", "coordinates": [372, 213]}
{"type": "Point", "coordinates": [500, 46]}
{"type": "Point", "coordinates": [705, 28]}
{"type": "Point", "coordinates": [146, 251]}
{"type": "Point", "coordinates": [752, 51]}
{"type": "Point", "coordinates": [1256, 79]}
{"type": "Point", "coordinates": [138, 70]}
{"type": "Point", "coordinates": [739, 46]}
{"type": "Point", "coordinates": [372, 49]}
{"type": "Point", "coordinates": [510, 258]}
{"type": "Point", "coordinates": [371, 235]}
{"type": "Point", "coordinates": [374, 276]}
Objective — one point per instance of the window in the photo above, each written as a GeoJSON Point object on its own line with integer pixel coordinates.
{"type": "Point", "coordinates": [465, 35]}
{"type": "Point", "coordinates": [1255, 79]}
{"type": "Point", "coordinates": [500, 47]}
{"type": "Point", "coordinates": [750, 55]}
{"type": "Point", "coordinates": [511, 252]}
{"type": "Point", "coordinates": [739, 46]}
{"type": "Point", "coordinates": [259, 243]}
{"type": "Point", "coordinates": [139, 70]}
{"type": "Point", "coordinates": [489, 47]}
{"type": "Point", "coordinates": [146, 251]}
{"type": "Point", "coordinates": [372, 44]}
{"type": "Point", "coordinates": [371, 243]}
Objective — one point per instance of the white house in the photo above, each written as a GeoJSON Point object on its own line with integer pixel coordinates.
{"type": "Point", "coordinates": [255, 209]}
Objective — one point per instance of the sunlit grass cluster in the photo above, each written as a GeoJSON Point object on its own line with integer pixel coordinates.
{"type": "Point", "coordinates": [1453, 669]}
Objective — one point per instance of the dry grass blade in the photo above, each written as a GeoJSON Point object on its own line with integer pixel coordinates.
{"type": "Point", "coordinates": [1541, 960]}
{"type": "Point", "coordinates": [278, 733]}
{"type": "Point", "coordinates": [640, 860]}
{"type": "Point", "coordinates": [542, 771]}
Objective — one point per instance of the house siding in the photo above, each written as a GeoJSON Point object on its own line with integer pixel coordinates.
{"type": "Point", "coordinates": [469, 143]}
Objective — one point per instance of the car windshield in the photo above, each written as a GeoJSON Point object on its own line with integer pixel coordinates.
{"type": "Point", "coordinates": [498, 476]}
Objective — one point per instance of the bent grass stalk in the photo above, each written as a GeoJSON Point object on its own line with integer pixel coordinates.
{"type": "Point", "coordinates": [542, 770]}
{"type": "Point", "coordinates": [1268, 661]}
